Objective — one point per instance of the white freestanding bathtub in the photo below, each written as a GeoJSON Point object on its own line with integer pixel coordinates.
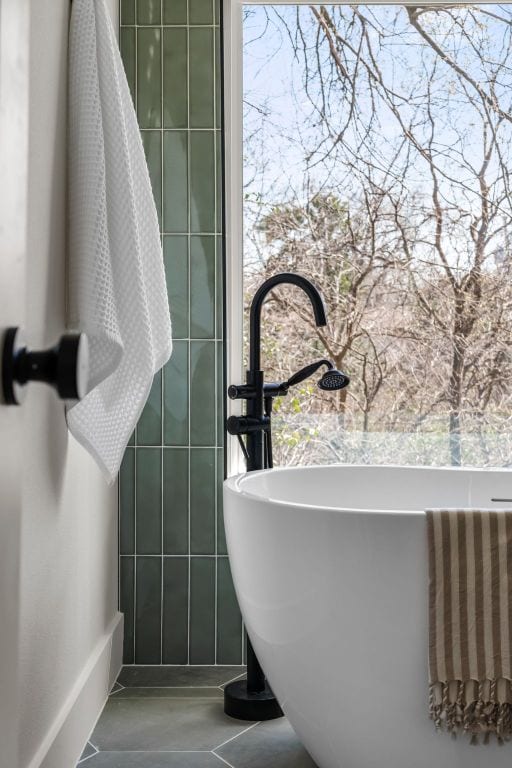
{"type": "Point", "coordinates": [330, 569]}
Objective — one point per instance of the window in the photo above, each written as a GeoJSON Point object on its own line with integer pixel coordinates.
{"type": "Point", "coordinates": [377, 152]}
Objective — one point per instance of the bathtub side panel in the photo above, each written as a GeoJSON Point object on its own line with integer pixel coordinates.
{"type": "Point", "coordinates": [336, 607]}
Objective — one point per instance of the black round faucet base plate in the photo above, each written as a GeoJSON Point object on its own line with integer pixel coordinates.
{"type": "Point", "coordinates": [241, 704]}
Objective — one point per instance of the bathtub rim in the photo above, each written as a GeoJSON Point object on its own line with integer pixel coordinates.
{"type": "Point", "coordinates": [234, 484]}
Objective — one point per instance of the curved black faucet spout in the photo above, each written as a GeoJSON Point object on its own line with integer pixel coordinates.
{"type": "Point", "coordinates": [259, 297]}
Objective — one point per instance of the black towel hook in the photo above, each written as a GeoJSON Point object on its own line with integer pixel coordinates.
{"type": "Point", "coordinates": [65, 366]}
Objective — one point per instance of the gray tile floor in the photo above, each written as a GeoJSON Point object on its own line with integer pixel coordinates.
{"type": "Point", "coordinates": [172, 717]}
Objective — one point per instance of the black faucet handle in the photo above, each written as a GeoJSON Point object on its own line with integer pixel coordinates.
{"type": "Point", "coordinates": [241, 391]}
{"type": "Point", "coordinates": [244, 425]}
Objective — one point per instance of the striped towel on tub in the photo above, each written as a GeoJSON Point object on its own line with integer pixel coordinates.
{"type": "Point", "coordinates": [470, 632]}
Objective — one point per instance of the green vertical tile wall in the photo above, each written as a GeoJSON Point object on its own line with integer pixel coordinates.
{"type": "Point", "coordinates": [176, 589]}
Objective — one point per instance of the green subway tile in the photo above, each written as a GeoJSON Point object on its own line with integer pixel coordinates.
{"type": "Point", "coordinates": [200, 11]}
{"type": "Point", "coordinates": [149, 501]}
{"type": "Point", "coordinates": [221, 534]}
{"type": "Point", "coordinates": [229, 620]}
{"type": "Point", "coordinates": [219, 406]}
{"type": "Point", "coordinates": [175, 490]}
{"type": "Point", "coordinates": [202, 181]}
{"type": "Point", "coordinates": [175, 78]}
{"type": "Point", "coordinates": [202, 393]}
{"type": "Point", "coordinates": [218, 80]}
{"type": "Point", "coordinates": [127, 45]}
{"type": "Point", "coordinates": [175, 611]}
{"type": "Point", "coordinates": [127, 14]}
{"type": "Point", "coordinates": [152, 142]}
{"type": "Point", "coordinates": [175, 181]}
{"type": "Point", "coordinates": [219, 301]}
{"type": "Point", "coordinates": [202, 287]}
{"type": "Point", "coordinates": [127, 503]}
{"type": "Point", "coordinates": [149, 96]}
{"type": "Point", "coordinates": [131, 441]}
{"type": "Point", "coordinates": [202, 610]}
{"type": "Point", "coordinates": [219, 182]}
{"type": "Point", "coordinates": [176, 271]}
{"type": "Point", "coordinates": [175, 11]}
{"type": "Point", "coordinates": [149, 428]}
{"type": "Point", "coordinates": [201, 80]}
{"type": "Point", "coordinates": [148, 12]}
{"type": "Point", "coordinates": [192, 201]}
{"type": "Point", "coordinates": [202, 501]}
{"type": "Point", "coordinates": [176, 396]}
{"type": "Point", "coordinates": [147, 610]}
{"type": "Point", "coordinates": [126, 591]}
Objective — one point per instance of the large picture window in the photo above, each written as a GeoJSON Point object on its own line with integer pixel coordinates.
{"type": "Point", "coordinates": [377, 159]}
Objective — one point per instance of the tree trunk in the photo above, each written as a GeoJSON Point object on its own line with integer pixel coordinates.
{"type": "Point", "coordinates": [455, 446]}
{"type": "Point", "coordinates": [455, 394]}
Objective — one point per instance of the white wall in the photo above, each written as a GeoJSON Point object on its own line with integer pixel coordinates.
{"type": "Point", "coordinates": [14, 56]}
{"type": "Point", "coordinates": [69, 515]}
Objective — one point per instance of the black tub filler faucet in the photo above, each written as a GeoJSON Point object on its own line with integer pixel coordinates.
{"type": "Point", "coordinates": [253, 699]}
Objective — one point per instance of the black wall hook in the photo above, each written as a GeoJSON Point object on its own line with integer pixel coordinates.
{"type": "Point", "coordinates": [64, 366]}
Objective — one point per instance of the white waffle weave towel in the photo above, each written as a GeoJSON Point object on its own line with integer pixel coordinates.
{"type": "Point", "coordinates": [117, 288]}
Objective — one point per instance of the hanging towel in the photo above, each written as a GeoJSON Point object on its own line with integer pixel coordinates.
{"type": "Point", "coordinates": [117, 289]}
{"type": "Point", "coordinates": [470, 612]}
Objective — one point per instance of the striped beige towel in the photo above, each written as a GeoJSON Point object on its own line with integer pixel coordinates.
{"type": "Point", "coordinates": [470, 631]}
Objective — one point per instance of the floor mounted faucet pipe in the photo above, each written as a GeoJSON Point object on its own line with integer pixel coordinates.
{"type": "Point", "coordinates": [253, 699]}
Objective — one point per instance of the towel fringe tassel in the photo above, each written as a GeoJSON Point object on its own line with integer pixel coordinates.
{"type": "Point", "coordinates": [480, 710]}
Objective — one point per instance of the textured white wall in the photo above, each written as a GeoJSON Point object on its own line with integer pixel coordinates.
{"type": "Point", "coordinates": [69, 519]}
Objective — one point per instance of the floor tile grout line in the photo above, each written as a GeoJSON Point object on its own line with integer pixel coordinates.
{"type": "Point", "coordinates": [170, 698]}
{"type": "Point", "coordinates": [118, 690]}
{"type": "Point", "coordinates": [213, 752]}
{"type": "Point", "coordinates": [228, 741]}
{"type": "Point", "coordinates": [88, 757]}
{"type": "Point", "coordinates": [154, 751]}
{"type": "Point", "coordinates": [84, 760]}
{"type": "Point", "coordinates": [233, 679]}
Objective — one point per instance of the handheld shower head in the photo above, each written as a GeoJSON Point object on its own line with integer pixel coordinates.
{"type": "Point", "coordinates": [333, 379]}
{"type": "Point", "coordinates": [330, 381]}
